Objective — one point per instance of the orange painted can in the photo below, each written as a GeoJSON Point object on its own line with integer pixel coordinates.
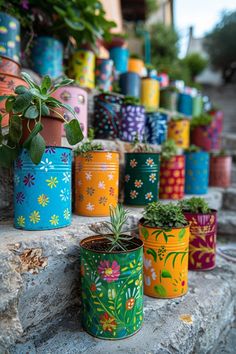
{"type": "Point", "coordinates": [135, 65]}
{"type": "Point", "coordinates": [179, 131]}
{"type": "Point", "coordinates": [96, 182]}
{"type": "Point", "coordinates": [165, 261]}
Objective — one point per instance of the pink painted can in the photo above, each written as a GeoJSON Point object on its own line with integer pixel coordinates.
{"type": "Point", "coordinates": [77, 98]}
{"type": "Point", "coordinates": [202, 242]}
{"type": "Point", "coordinates": [220, 171]}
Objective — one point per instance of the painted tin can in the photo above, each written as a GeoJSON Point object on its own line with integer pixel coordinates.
{"type": "Point", "coordinates": [47, 57]}
{"type": "Point", "coordinates": [135, 65]}
{"type": "Point", "coordinates": [82, 68]}
{"type": "Point", "coordinates": [42, 193]}
{"type": "Point", "coordinates": [220, 171]}
{"type": "Point", "coordinates": [196, 172]}
{"type": "Point", "coordinates": [120, 57]}
{"type": "Point", "coordinates": [107, 108]}
{"type": "Point", "coordinates": [197, 105]}
{"type": "Point", "coordinates": [202, 242]}
{"type": "Point", "coordinates": [172, 178]}
{"type": "Point", "coordinates": [151, 73]}
{"type": "Point", "coordinates": [9, 37]}
{"type": "Point", "coordinates": [165, 261]}
{"type": "Point", "coordinates": [9, 66]}
{"type": "Point", "coordinates": [77, 98]}
{"type": "Point", "coordinates": [156, 127]}
{"type": "Point", "coordinates": [132, 122]}
{"type": "Point", "coordinates": [96, 182]}
{"type": "Point", "coordinates": [130, 84]}
{"type": "Point", "coordinates": [104, 74]}
{"type": "Point", "coordinates": [163, 78]}
{"type": "Point", "coordinates": [141, 178]}
{"type": "Point", "coordinates": [185, 104]}
{"type": "Point", "coordinates": [150, 94]}
{"type": "Point", "coordinates": [168, 99]}
{"type": "Point", "coordinates": [112, 290]}
{"type": "Point", "coordinates": [179, 131]}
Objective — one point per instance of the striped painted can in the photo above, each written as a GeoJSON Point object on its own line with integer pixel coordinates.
{"type": "Point", "coordinates": [42, 193]}
{"type": "Point", "coordinates": [150, 94]}
{"type": "Point", "coordinates": [9, 37]}
{"type": "Point", "coordinates": [196, 172]}
{"type": "Point", "coordinates": [130, 84]}
{"type": "Point", "coordinates": [156, 127]}
{"type": "Point", "coordinates": [120, 57]}
{"type": "Point", "coordinates": [141, 178]}
{"type": "Point", "coordinates": [132, 122]}
{"type": "Point", "coordinates": [185, 104]}
{"type": "Point", "coordinates": [104, 74]}
{"type": "Point", "coordinates": [82, 68]}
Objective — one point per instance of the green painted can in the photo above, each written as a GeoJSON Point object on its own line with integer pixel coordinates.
{"type": "Point", "coordinates": [112, 290]}
{"type": "Point", "coordinates": [141, 178]}
{"type": "Point", "coordinates": [197, 105]}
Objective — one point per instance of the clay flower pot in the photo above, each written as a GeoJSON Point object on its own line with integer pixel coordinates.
{"type": "Point", "coordinates": [42, 193]}
{"type": "Point", "coordinates": [9, 37]}
{"type": "Point", "coordinates": [135, 65]}
{"type": "Point", "coordinates": [104, 74]}
{"type": "Point", "coordinates": [130, 84]}
{"type": "Point", "coordinates": [120, 57]}
{"type": "Point", "coordinates": [132, 122]}
{"type": "Point", "coordinates": [202, 242]}
{"type": "Point", "coordinates": [172, 178]}
{"type": "Point", "coordinates": [96, 182]}
{"type": "Point", "coordinates": [112, 290]}
{"type": "Point", "coordinates": [185, 104]}
{"type": "Point", "coordinates": [150, 94]}
{"type": "Point", "coordinates": [9, 66]}
{"type": "Point", "coordinates": [179, 131]}
{"type": "Point", "coordinates": [196, 172]}
{"type": "Point", "coordinates": [168, 99]}
{"type": "Point", "coordinates": [220, 171]}
{"type": "Point", "coordinates": [156, 127]}
{"type": "Point", "coordinates": [82, 68]}
{"type": "Point", "coordinates": [141, 178]}
{"type": "Point", "coordinates": [165, 261]}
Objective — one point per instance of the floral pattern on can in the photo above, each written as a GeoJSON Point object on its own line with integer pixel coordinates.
{"type": "Point", "coordinates": [104, 74]}
{"type": "Point", "coordinates": [156, 127]}
{"type": "Point", "coordinates": [132, 122]}
{"type": "Point", "coordinates": [9, 37]}
{"type": "Point", "coordinates": [179, 131]}
{"type": "Point", "coordinates": [42, 193]}
{"type": "Point", "coordinates": [82, 68]}
{"type": "Point", "coordinates": [196, 172]}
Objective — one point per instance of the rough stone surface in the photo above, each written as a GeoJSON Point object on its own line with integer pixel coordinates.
{"type": "Point", "coordinates": [229, 199]}
{"type": "Point", "coordinates": [227, 222]}
{"type": "Point", "coordinates": [6, 188]}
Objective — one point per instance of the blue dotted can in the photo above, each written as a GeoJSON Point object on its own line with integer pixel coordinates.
{"type": "Point", "coordinates": [196, 172]}
{"type": "Point", "coordinates": [156, 127]}
{"type": "Point", "coordinates": [9, 37]}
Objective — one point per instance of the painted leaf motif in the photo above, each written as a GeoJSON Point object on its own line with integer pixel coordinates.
{"type": "Point", "coordinates": [144, 232]}
{"type": "Point", "coordinates": [166, 274]}
{"type": "Point", "coordinates": [152, 253]}
{"type": "Point", "coordinates": [157, 233]}
{"type": "Point", "coordinates": [160, 290]}
{"type": "Point", "coordinates": [181, 234]}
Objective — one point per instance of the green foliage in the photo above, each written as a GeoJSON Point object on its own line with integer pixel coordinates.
{"type": "Point", "coordinates": [135, 56]}
{"type": "Point", "coordinates": [203, 119]}
{"type": "Point", "coordinates": [194, 205]}
{"type": "Point", "coordinates": [151, 6]}
{"type": "Point", "coordinates": [130, 100]}
{"type": "Point", "coordinates": [169, 149]}
{"type": "Point", "coordinates": [178, 117]}
{"type": "Point", "coordinates": [220, 153]}
{"type": "Point", "coordinates": [165, 216]}
{"type": "Point", "coordinates": [88, 145]}
{"type": "Point", "coordinates": [195, 63]}
{"type": "Point", "coordinates": [139, 146]}
{"type": "Point", "coordinates": [193, 148]}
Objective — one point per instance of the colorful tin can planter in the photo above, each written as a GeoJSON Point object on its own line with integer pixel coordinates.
{"type": "Point", "coordinates": [135, 65]}
{"type": "Point", "coordinates": [9, 37]}
{"type": "Point", "coordinates": [132, 122]}
{"type": "Point", "coordinates": [163, 78]}
{"type": "Point", "coordinates": [150, 94]}
{"type": "Point", "coordinates": [151, 73]}
{"type": "Point", "coordinates": [112, 290]}
{"type": "Point", "coordinates": [172, 178]}
{"type": "Point", "coordinates": [197, 105]}
{"type": "Point", "coordinates": [156, 127]}
{"type": "Point", "coordinates": [220, 171]}
{"type": "Point", "coordinates": [165, 261]}
{"type": "Point", "coordinates": [77, 98]}
{"type": "Point", "coordinates": [82, 68]}
{"type": "Point", "coordinates": [9, 66]}
{"type": "Point", "coordinates": [107, 108]}
{"type": "Point", "coordinates": [202, 242]}
{"type": "Point", "coordinates": [196, 172]}
{"type": "Point", "coordinates": [179, 131]}
{"type": "Point", "coordinates": [141, 178]}
{"type": "Point", "coordinates": [185, 104]}
{"type": "Point", "coordinates": [96, 182]}
{"type": "Point", "coordinates": [168, 99]}
{"type": "Point", "coordinates": [42, 193]}
{"type": "Point", "coordinates": [47, 57]}
{"type": "Point", "coordinates": [120, 57]}
{"type": "Point", "coordinates": [130, 84]}
{"type": "Point", "coordinates": [104, 74]}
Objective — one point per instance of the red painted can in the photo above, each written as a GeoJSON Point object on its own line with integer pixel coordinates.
{"type": "Point", "coordinates": [172, 178]}
{"type": "Point", "coordinates": [220, 171]}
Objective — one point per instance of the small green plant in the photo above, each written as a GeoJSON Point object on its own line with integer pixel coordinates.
{"type": "Point", "coordinates": [135, 56]}
{"type": "Point", "coordinates": [165, 216]}
{"type": "Point", "coordinates": [194, 205]}
{"type": "Point", "coordinates": [170, 89]}
{"type": "Point", "coordinates": [193, 148]}
{"type": "Point", "coordinates": [220, 153]}
{"type": "Point", "coordinates": [169, 149]}
{"type": "Point", "coordinates": [203, 119]}
{"type": "Point", "coordinates": [88, 145]}
{"type": "Point", "coordinates": [178, 117]}
{"type": "Point", "coordinates": [139, 146]}
{"type": "Point", "coordinates": [130, 100]}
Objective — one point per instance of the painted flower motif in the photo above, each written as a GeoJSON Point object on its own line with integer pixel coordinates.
{"type": "Point", "coordinates": [88, 157]}
{"type": "Point", "coordinates": [110, 176]}
{"type": "Point", "coordinates": [64, 157]}
{"type": "Point", "coordinates": [20, 197]}
{"type": "Point", "coordinates": [149, 162]}
{"type": "Point", "coordinates": [16, 180]}
{"type": "Point", "coordinates": [19, 163]}
{"type": "Point", "coordinates": [133, 194]}
{"type": "Point", "coordinates": [65, 194]}
{"type": "Point", "coordinates": [111, 191]}
{"type": "Point", "coordinates": [66, 178]}
{"type": "Point", "coordinates": [50, 150]}
{"type": "Point", "coordinates": [95, 283]}
{"type": "Point", "coordinates": [81, 197]}
{"type": "Point", "coordinates": [65, 95]}
{"type": "Point", "coordinates": [108, 322]}
{"type": "Point", "coordinates": [21, 221]}
{"type": "Point", "coordinates": [52, 182]}
{"type": "Point", "coordinates": [101, 185]}
{"type": "Point", "coordinates": [127, 178]}
{"type": "Point", "coordinates": [11, 84]}
{"type": "Point", "coordinates": [43, 200]}
{"type": "Point", "coordinates": [90, 191]}
{"type": "Point", "coordinates": [109, 272]}
{"type": "Point", "coordinates": [46, 165]}
{"type": "Point", "coordinates": [149, 271]}
{"type": "Point", "coordinates": [29, 180]}
{"type": "Point", "coordinates": [54, 220]}
{"type": "Point", "coordinates": [66, 214]}
{"type": "Point", "coordinates": [161, 252]}
{"type": "Point", "coordinates": [138, 183]}
{"type": "Point", "coordinates": [149, 196]}
{"type": "Point", "coordinates": [152, 177]}
{"type": "Point", "coordinates": [103, 200]}
{"type": "Point", "coordinates": [133, 163]}
{"type": "Point", "coordinates": [109, 156]}
{"type": "Point", "coordinates": [34, 217]}
{"type": "Point", "coordinates": [90, 206]}
{"type": "Point", "coordinates": [131, 298]}
{"type": "Point", "coordinates": [88, 176]}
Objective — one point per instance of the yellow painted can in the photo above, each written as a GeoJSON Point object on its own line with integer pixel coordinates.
{"type": "Point", "coordinates": [82, 68]}
{"type": "Point", "coordinates": [150, 94]}
{"type": "Point", "coordinates": [179, 131]}
{"type": "Point", "coordinates": [135, 65]}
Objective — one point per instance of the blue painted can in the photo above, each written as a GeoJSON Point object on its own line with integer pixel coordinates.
{"type": "Point", "coordinates": [196, 172]}
{"type": "Point", "coordinates": [42, 193]}
{"type": "Point", "coordinates": [47, 57]}
{"type": "Point", "coordinates": [120, 56]}
{"type": "Point", "coordinates": [156, 127]}
{"type": "Point", "coordinates": [9, 37]}
{"type": "Point", "coordinates": [130, 84]}
{"type": "Point", "coordinates": [185, 104]}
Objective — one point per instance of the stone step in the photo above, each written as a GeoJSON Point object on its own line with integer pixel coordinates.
{"type": "Point", "coordinates": [229, 199]}
{"type": "Point", "coordinates": [227, 222]}
{"type": "Point", "coordinates": [229, 141]}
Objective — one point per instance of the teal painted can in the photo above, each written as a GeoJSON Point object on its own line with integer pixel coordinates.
{"type": "Point", "coordinates": [112, 289]}
{"type": "Point", "coordinates": [197, 105]}
{"type": "Point", "coordinates": [9, 37]}
{"type": "Point", "coordinates": [141, 178]}
{"type": "Point", "coordinates": [185, 104]}
{"type": "Point", "coordinates": [196, 172]}
{"type": "Point", "coordinates": [120, 57]}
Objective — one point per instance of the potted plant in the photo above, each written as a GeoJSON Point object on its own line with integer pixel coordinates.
{"type": "Point", "coordinates": [220, 169]}
{"type": "Point", "coordinates": [172, 172]}
{"type": "Point", "coordinates": [135, 64]}
{"type": "Point", "coordinates": [169, 97]}
{"type": "Point", "coordinates": [165, 234]}
{"type": "Point", "coordinates": [179, 130]}
{"type": "Point", "coordinates": [112, 280]}
{"type": "Point", "coordinates": [196, 170]}
{"type": "Point", "coordinates": [104, 74]}
{"type": "Point", "coordinates": [132, 120]}
{"type": "Point", "coordinates": [185, 104]}
{"type": "Point", "coordinates": [203, 225]}
{"type": "Point", "coordinates": [156, 127]}
{"type": "Point", "coordinates": [130, 84]}
{"type": "Point", "coordinates": [142, 167]}
{"type": "Point", "coordinates": [96, 179]}
{"type": "Point", "coordinates": [150, 94]}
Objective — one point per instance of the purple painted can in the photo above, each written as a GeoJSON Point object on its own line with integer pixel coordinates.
{"type": "Point", "coordinates": [132, 122]}
{"type": "Point", "coordinates": [202, 242]}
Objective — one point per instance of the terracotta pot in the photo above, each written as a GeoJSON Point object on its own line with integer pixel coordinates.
{"type": "Point", "coordinates": [220, 171]}
{"type": "Point", "coordinates": [52, 128]}
{"type": "Point", "coordinates": [150, 94]}
{"type": "Point", "coordinates": [135, 65]}
{"type": "Point", "coordinates": [9, 66]}
{"type": "Point", "coordinates": [179, 131]}
{"type": "Point", "coordinates": [165, 261]}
